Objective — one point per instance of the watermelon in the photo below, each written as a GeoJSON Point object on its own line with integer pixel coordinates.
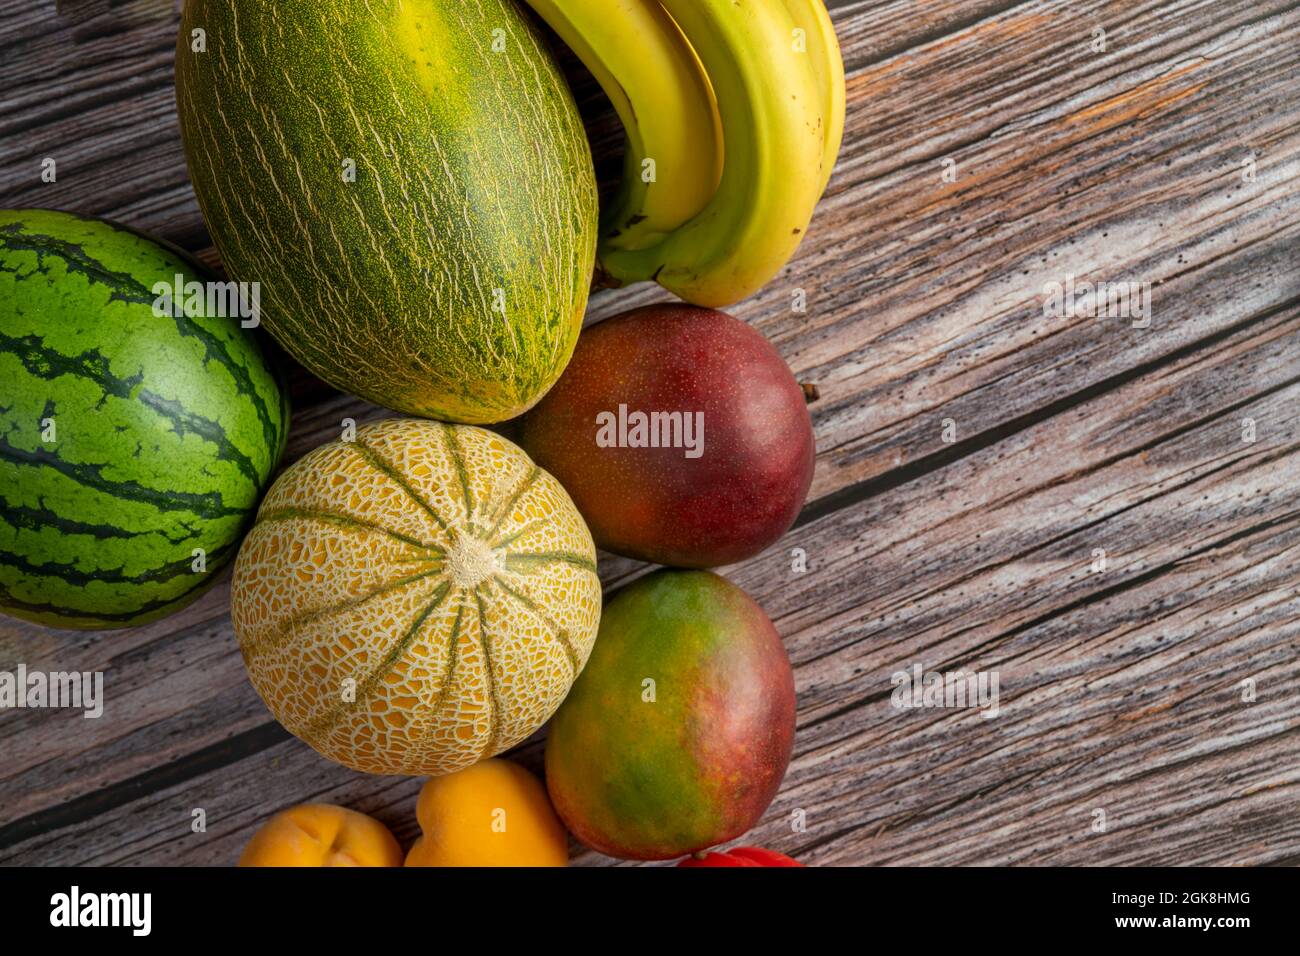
{"type": "Point", "coordinates": [129, 439]}
{"type": "Point", "coordinates": [410, 183]}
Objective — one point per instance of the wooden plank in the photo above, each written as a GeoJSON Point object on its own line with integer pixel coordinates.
{"type": "Point", "coordinates": [925, 305]}
{"type": "Point", "coordinates": [939, 297]}
{"type": "Point", "coordinates": [1199, 526]}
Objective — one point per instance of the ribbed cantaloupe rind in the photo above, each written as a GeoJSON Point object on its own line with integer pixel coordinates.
{"type": "Point", "coordinates": [416, 599]}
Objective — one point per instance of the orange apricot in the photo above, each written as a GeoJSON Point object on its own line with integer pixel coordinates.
{"type": "Point", "coordinates": [494, 813]}
{"type": "Point", "coordinates": [318, 834]}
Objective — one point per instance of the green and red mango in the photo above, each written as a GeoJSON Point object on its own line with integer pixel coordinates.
{"type": "Point", "coordinates": [667, 504]}
{"type": "Point", "coordinates": [652, 771]}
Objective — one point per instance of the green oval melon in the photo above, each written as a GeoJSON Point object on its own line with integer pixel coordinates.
{"type": "Point", "coordinates": [448, 275]}
{"type": "Point", "coordinates": [128, 439]}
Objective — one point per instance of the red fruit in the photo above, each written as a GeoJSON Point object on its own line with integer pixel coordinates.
{"type": "Point", "coordinates": [695, 507]}
{"type": "Point", "coordinates": [740, 856]}
{"type": "Point", "coordinates": [762, 857]}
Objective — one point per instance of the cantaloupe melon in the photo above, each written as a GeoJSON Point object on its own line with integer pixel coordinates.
{"type": "Point", "coordinates": [415, 599]}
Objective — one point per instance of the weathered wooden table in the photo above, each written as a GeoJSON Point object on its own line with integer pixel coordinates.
{"type": "Point", "coordinates": [1105, 512]}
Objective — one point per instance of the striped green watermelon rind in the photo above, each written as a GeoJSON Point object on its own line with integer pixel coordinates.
{"type": "Point", "coordinates": [449, 278]}
{"type": "Point", "coordinates": [167, 428]}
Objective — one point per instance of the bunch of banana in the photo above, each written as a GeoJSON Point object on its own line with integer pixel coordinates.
{"type": "Point", "coordinates": [734, 111]}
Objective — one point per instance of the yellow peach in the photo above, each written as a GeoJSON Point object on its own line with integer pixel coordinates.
{"type": "Point", "coordinates": [494, 813]}
{"type": "Point", "coordinates": [317, 834]}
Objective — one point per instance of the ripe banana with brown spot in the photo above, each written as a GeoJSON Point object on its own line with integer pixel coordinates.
{"type": "Point", "coordinates": [823, 49]}
{"type": "Point", "coordinates": [673, 160]}
{"type": "Point", "coordinates": [775, 135]}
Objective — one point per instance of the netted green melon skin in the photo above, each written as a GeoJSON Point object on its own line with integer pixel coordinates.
{"type": "Point", "coordinates": [128, 440]}
{"type": "Point", "coordinates": [409, 181]}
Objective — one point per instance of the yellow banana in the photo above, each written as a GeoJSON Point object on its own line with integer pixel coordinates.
{"type": "Point", "coordinates": [658, 87]}
{"type": "Point", "coordinates": [823, 47]}
{"type": "Point", "coordinates": [774, 133]}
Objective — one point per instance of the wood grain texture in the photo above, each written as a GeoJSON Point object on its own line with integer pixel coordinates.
{"type": "Point", "coordinates": [1122, 689]}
